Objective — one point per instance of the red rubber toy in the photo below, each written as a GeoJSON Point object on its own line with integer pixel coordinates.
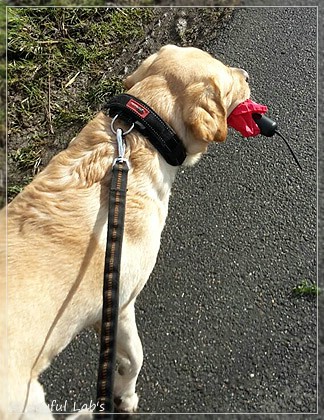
{"type": "Point", "coordinates": [241, 118]}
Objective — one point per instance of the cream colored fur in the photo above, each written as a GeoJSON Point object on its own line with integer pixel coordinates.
{"type": "Point", "coordinates": [57, 225]}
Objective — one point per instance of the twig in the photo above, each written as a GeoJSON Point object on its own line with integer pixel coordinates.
{"type": "Point", "coordinates": [72, 80]}
{"type": "Point", "coordinates": [49, 99]}
{"type": "Point", "coordinates": [48, 42]}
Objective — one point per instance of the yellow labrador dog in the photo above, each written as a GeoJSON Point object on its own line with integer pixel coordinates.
{"type": "Point", "coordinates": [57, 224]}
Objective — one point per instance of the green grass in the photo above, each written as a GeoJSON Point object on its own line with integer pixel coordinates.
{"type": "Point", "coordinates": [16, 189]}
{"type": "Point", "coordinates": [306, 288]}
{"type": "Point", "coordinates": [60, 72]}
{"type": "Point", "coordinates": [27, 157]}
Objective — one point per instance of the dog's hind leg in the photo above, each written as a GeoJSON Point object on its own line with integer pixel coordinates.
{"type": "Point", "coordinates": [129, 361]}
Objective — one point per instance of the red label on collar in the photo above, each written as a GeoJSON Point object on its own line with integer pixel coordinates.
{"type": "Point", "coordinates": [139, 109]}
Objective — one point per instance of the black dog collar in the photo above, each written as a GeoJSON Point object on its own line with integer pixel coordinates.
{"type": "Point", "coordinates": [150, 124]}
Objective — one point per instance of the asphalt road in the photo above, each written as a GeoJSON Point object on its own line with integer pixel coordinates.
{"type": "Point", "coordinates": [221, 329]}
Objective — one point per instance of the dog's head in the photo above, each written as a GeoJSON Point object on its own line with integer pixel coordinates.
{"type": "Point", "coordinates": [192, 91]}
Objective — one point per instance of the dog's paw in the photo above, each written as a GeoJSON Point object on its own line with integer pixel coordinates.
{"type": "Point", "coordinates": [126, 403]}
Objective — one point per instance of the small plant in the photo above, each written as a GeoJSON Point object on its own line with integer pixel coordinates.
{"type": "Point", "coordinates": [14, 189]}
{"type": "Point", "coordinates": [306, 288]}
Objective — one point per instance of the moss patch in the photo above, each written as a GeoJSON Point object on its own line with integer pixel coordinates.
{"type": "Point", "coordinates": [305, 288]}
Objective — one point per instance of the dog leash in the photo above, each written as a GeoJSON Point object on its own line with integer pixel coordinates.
{"type": "Point", "coordinates": [145, 120]}
{"type": "Point", "coordinates": [115, 231]}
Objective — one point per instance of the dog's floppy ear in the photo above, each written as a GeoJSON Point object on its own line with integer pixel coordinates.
{"type": "Point", "coordinates": [141, 73]}
{"type": "Point", "coordinates": [204, 112]}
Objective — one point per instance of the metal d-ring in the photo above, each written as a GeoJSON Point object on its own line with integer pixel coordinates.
{"type": "Point", "coordinates": [115, 131]}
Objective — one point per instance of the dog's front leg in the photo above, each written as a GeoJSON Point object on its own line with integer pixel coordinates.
{"type": "Point", "coordinates": [129, 361]}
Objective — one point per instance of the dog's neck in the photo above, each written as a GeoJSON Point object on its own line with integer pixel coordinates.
{"type": "Point", "coordinates": [155, 92]}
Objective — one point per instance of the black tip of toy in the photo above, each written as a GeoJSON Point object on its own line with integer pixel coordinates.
{"type": "Point", "coordinates": [267, 126]}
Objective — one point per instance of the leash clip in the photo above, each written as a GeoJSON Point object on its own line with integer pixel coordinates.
{"type": "Point", "coordinates": [120, 137]}
{"type": "Point", "coordinates": [121, 148]}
